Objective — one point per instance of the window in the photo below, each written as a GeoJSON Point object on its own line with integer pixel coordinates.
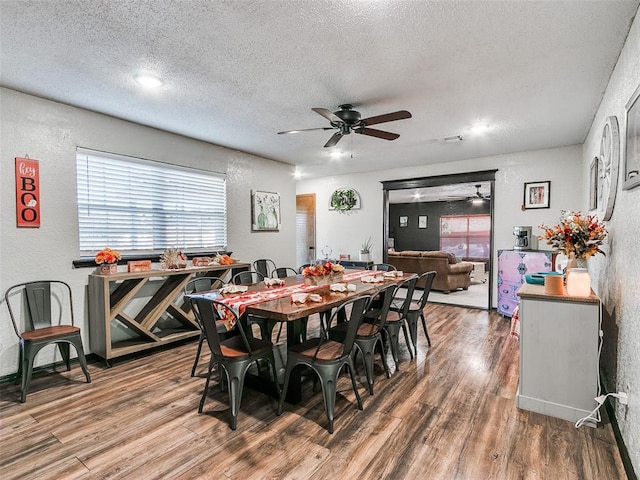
{"type": "Point", "coordinates": [466, 236]}
{"type": "Point", "coordinates": [140, 206]}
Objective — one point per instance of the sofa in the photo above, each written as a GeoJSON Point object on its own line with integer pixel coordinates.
{"type": "Point", "coordinates": [451, 274]}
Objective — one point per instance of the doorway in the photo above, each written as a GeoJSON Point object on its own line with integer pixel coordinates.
{"type": "Point", "coordinates": [418, 197]}
{"type": "Point", "coordinates": [305, 228]}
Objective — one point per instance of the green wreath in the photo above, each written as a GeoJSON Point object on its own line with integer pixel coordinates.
{"type": "Point", "coordinates": [344, 199]}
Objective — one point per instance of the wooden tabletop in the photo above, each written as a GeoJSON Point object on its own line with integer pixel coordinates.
{"type": "Point", "coordinates": [284, 310]}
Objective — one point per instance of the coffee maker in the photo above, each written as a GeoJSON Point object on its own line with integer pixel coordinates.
{"type": "Point", "coordinates": [524, 238]}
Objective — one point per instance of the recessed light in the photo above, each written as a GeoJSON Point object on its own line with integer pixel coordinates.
{"type": "Point", "coordinates": [336, 154]}
{"type": "Point", "coordinates": [148, 80]}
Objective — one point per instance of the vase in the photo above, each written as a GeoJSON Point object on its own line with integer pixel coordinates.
{"type": "Point", "coordinates": [575, 263]}
{"type": "Point", "coordinates": [108, 268]}
{"type": "Point", "coordinates": [365, 257]}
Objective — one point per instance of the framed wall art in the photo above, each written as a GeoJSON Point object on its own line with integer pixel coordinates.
{"type": "Point", "coordinates": [422, 221]}
{"type": "Point", "coordinates": [632, 143]}
{"type": "Point", "coordinates": [404, 221]}
{"type": "Point", "coordinates": [537, 195]}
{"type": "Point", "coordinates": [344, 200]}
{"type": "Point", "coordinates": [265, 211]}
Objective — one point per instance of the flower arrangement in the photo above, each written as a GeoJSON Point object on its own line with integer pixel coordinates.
{"type": "Point", "coordinates": [320, 269]}
{"type": "Point", "coordinates": [107, 255]}
{"type": "Point", "coordinates": [577, 234]}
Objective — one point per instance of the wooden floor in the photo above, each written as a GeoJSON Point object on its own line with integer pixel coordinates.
{"type": "Point", "coordinates": [449, 415]}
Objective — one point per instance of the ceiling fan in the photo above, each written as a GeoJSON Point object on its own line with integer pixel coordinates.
{"type": "Point", "coordinates": [478, 197]}
{"type": "Point", "coordinates": [347, 120]}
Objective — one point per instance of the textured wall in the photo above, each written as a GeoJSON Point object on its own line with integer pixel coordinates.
{"type": "Point", "coordinates": [345, 232]}
{"type": "Point", "coordinates": [616, 277]}
{"type": "Point", "coordinates": [50, 132]}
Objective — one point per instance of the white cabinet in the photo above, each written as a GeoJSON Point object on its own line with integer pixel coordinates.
{"type": "Point", "coordinates": [559, 337]}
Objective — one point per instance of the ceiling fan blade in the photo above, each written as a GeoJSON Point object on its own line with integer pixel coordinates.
{"type": "Point", "coordinates": [306, 130]}
{"type": "Point", "coordinates": [333, 140]}
{"type": "Point", "coordinates": [387, 117]}
{"type": "Point", "coordinates": [372, 132]}
{"type": "Point", "coordinates": [328, 114]}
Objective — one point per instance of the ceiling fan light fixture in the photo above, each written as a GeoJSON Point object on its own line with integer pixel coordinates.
{"type": "Point", "coordinates": [479, 128]}
{"type": "Point", "coordinates": [148, 80]}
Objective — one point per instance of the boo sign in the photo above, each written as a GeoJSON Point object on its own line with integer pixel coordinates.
{"type": "Point", "coordinates": [27, 192]}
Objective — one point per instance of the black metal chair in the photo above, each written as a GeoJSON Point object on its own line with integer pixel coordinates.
{"type": "Point", "coordinates": [327, 357]}
{"type": "Point", "coordinates": [248, 277]}
{"type": "Point", "coordinates": [383, 267]}
{"type": "Point", "coordinates": [42, 327]}
{"type": "Point", "coordinates": [397, 317]}
{"type": "Point", "coordinates": [302, 267]}
{"type": "Point", "coordinates": [284, 272]}
{"type": "Point", "coordinates": [197, 285]}
{"type": "Point", "coordinates": [369, 334]}
{"type": "Point", "coordinates": [264, 266]}
{"type": "Point", "coordinates": [234, 355]}
{"type": "Point", "coordinates": [416, 310]}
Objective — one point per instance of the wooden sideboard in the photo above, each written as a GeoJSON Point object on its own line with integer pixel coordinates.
{"type": "Point", "coordinates": [559, 339]}
{"type": "Point", "coordinates": [145, 309]}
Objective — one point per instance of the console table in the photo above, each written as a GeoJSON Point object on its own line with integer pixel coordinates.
{"type": "Point", "coordinates": [147, 307]}
{"type": "Point", "coordinates": [559, 337]}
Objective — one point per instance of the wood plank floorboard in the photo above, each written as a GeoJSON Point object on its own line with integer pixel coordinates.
{"type": "Point", "coordinates": [447, 414]}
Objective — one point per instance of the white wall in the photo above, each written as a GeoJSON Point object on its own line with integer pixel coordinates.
{"type": "Point", "coordinates": [345, 232]}
{"type": "Point", "coordinates": [50, 132]}
{"type": "Point", "coordinates": [616, 277]}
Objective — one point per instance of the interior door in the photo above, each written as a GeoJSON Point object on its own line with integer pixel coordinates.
{"type": "Point", "coordinates": [305, 228]}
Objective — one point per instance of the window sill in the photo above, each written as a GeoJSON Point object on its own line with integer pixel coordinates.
{"type": "Point", "coordinates": [85, 262]}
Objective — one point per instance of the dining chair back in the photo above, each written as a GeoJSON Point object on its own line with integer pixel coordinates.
{"type": "Point", "coordinates": [234, 355]}
{"type": "Point", "coordinates": [248, 277]}
{"type": "Point", "coordinates": [416, 310]}
{"type": "Point", "coordinates": [302, 267]}
{"type": "Point", "coordinates": [369, 334]}
{"type": "Point", "coordinates": [46, 308]}
{"type": "Point", "coordinates": [264, 266]}
{"type": "Point", "coordinates": [284, 272]}
{"type": "Point", "coordinates": [198, 285]}
{"type": "Point", "coordinates": [327, 357]}
{"type": "Point", "coordinates": [397, 317]}
{"type": "Point", "coordinates": [383, 267]}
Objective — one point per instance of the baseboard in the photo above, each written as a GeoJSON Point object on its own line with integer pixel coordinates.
{"type": "Point", "coordinates": [624, 453]}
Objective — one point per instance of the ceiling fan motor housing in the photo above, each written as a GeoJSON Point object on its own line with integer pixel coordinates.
{"type": "Point", "coordinates": [347, 115]}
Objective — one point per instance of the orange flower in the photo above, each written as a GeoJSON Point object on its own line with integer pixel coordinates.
{"type": "Point", "coordinates": [107, 255]}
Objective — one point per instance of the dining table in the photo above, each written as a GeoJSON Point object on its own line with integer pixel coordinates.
{"type": "Point", "coordinates": [277, 303]}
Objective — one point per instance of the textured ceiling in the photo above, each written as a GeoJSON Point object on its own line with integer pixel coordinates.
{"type": "Point", "coordinates": [237, 72]}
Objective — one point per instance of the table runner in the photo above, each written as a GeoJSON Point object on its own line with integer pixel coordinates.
{"type": "Point", "coordinates": [239, 302]}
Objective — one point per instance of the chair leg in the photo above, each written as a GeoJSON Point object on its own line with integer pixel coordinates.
{"type": "Point", "coordinates": [198, 351]}
{"type": "Point", "coordinates": [392, 330]}
{"type": "Point", "coordinates": [30, 352]}
{"type": "Point", "coordinates": [82, 360]}
{"type": "Point", "coordinates": [353, 382]}
{"type": "Point", "coordinates": [285, 386]}
{"type": "Point", "coordinates": [367, 348]}
{"type": "Point", "coordinates": [64, 352]}
{"type": "Point", "coordinates": [329, 378]}
{"type": "Point", "coordinates": [406, 339]}
{"type": "Point", "coordinates": [424, 326]}
{"type": "Point", "coordinates": [412, 323]}
{"type": "Point", "coordinates": [383, 357]}
{"type": "Point", "coordinates": [236, 371]}
{"type": "Point", "coordinates": [206, 387]}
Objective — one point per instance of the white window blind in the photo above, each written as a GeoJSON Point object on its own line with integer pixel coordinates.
{"type": "Point", "coordinates": [138, 206]}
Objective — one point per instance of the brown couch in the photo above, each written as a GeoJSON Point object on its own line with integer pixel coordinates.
{"type": "Point", "coordinates": [450, 274]}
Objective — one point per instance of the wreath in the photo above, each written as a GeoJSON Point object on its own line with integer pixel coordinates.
{"type": "Point", "coordinates": [344, 199]}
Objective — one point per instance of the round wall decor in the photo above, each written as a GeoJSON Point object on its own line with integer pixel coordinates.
{"type": "Point", "coordinates": [344, 200]}
{"type": "Point", "coordinates": [609, 164]}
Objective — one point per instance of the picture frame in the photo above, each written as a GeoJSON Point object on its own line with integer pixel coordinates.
{"type": "Point", "coordinates": [344, 200]}
{"type": "Point", "coordinates": [265, 211]}
{"type": "Point", "coordinates": [593, 183]}
{"type": "Point", "coordinates": [537, 195]}
{"type": "Point", "coordinates": [422, 221]}
{"type": "Point", "coordinates": [632, 142]}
{"type": "Point", "coordinates": [404, 221]}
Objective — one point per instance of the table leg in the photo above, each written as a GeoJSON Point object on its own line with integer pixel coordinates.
{"type": "Point", "coordinates": [295, 330]}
